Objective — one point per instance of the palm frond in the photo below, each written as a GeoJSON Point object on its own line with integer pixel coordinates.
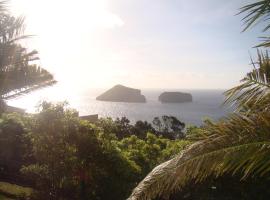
{"type": "Point", "coordinates": [20, 38]}
{"type": "Point", "coordinates": [19, 82]}
{"type": "Point", "coordinates": [265, 42]}
{"type": "Point", "coordinates": [18, 72]}
{"type": "Point", "coordinates": [256, 12]}
{"type": "Point", "coordinates": [11, 27]}
{"type": "Point", "coordinates": [29, 89]}
{"type": "Point", "coordinates": [255, 89]}
{"type": "Point", "coordinates": [237, 145]}
{"type": "Point", "coordinates": [3, 6]}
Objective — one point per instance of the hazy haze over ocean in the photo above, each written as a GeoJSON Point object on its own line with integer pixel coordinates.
{"type": "Point", "coordinates": [206, 103]}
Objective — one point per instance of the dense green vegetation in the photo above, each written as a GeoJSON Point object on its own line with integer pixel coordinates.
{"type": "Point", "coordinates": [64, 157]}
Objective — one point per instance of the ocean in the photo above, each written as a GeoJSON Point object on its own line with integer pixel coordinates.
{"type": "Point", "coordinates": [206, 104]}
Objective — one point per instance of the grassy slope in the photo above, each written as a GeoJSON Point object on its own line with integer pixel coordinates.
{"type": "Point", "coordinates": [12, 190]}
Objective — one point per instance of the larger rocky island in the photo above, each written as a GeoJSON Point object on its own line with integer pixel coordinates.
{"type": "Point", "coordinates": [175, 97]}
{"type": "Point", "coordinates": [120, 93]}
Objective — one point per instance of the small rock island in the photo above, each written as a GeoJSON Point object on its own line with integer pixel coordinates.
{"type": "Point", "coordinates": [175, 97]}
{"type": "Point", "coordinates": [120, 93]}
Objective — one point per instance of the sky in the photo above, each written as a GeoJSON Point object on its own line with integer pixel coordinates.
{"type": "Point", "coordinates": [196, 44]}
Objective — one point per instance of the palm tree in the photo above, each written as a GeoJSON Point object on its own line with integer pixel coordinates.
{"type": "Point", "coordinates": [238, 144]}
{"type": "Point", "coordinates": [257, 12]}
{"type": "Point", "coordinates": [18, 72]}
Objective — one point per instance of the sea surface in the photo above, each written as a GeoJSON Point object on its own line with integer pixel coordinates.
{"type": "Point", "coordinates": [206, 104]}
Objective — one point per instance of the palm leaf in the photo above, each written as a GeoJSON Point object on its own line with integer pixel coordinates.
{"type": "Point", "coordinates": [3, 6]}
{"type": "Point", "coordinates": [255, 89]}
{"type": "Point", "coordinates": [18, 72]}
{"type": "Point", "coordinates": [18, 82]}
{"type": "Point", "coordinates": [256, 12]}
{"type": "Point", "coordinates": [237, 145]}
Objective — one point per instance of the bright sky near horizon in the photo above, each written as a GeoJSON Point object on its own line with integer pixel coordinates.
{"type": "Point", "coordinates": [140, 43]}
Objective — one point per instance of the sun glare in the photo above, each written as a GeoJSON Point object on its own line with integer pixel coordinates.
{"type": "Point", "coordinates": [67, 36]}
{"type": "Point", "coordinates": [86, 14]}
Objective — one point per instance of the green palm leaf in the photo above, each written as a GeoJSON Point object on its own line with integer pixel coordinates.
{"type": "Point", "coordinates": [18, 72]}
{"type": "Point", "coordinates": [256, 12]}
{"type": "Point", "coordinates": [236, 145]}
{"type": "Point", "coordinates": [254, 92]}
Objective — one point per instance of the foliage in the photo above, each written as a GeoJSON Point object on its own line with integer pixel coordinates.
{"type": "Point", "coordinates": [236, 146]}
{"type": "Point", "coordinates": [2, 197]}
{"type": "Point", "coordinates": [15, 191]}
{"type": "Point", "coordinates": [151, 151]}
{"type": "Point", "coordinates": [229, 148]}
{"type": "Point", "coordinates": [121, 127]}
{"type": "Point", "coordinates": [141, 128]}
{"type": "Point", "coordinates": [19, 74]}
{"type": "Point", "coordinates": [74, 159]}
{"type": "Point", "coordinates": [255, 13]}
{"type": "Point", "coordinates": [253, 94]}
{"type": "Point", "coordinates": [14, 145]}
{"type": "Point", "coordinates": [194, 133]}
{"type": "Point", "coordinates": [64, 157]}
{"type": "Point", "coordinates": [169, 127]}
{"type": "Point", "coordinates": [166, 126]}
{"type": "Point", "coordinates": [226, 187]}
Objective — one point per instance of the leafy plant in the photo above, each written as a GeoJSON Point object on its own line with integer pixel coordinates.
{"type": "Point", "coordinates": [19, 73]}
{"type": "Point", "coordinates": [255, 13]}
{"type": "Point", "coordinates": [238, 145]}
{"type": "Point", "coordinates": [253, 94]}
